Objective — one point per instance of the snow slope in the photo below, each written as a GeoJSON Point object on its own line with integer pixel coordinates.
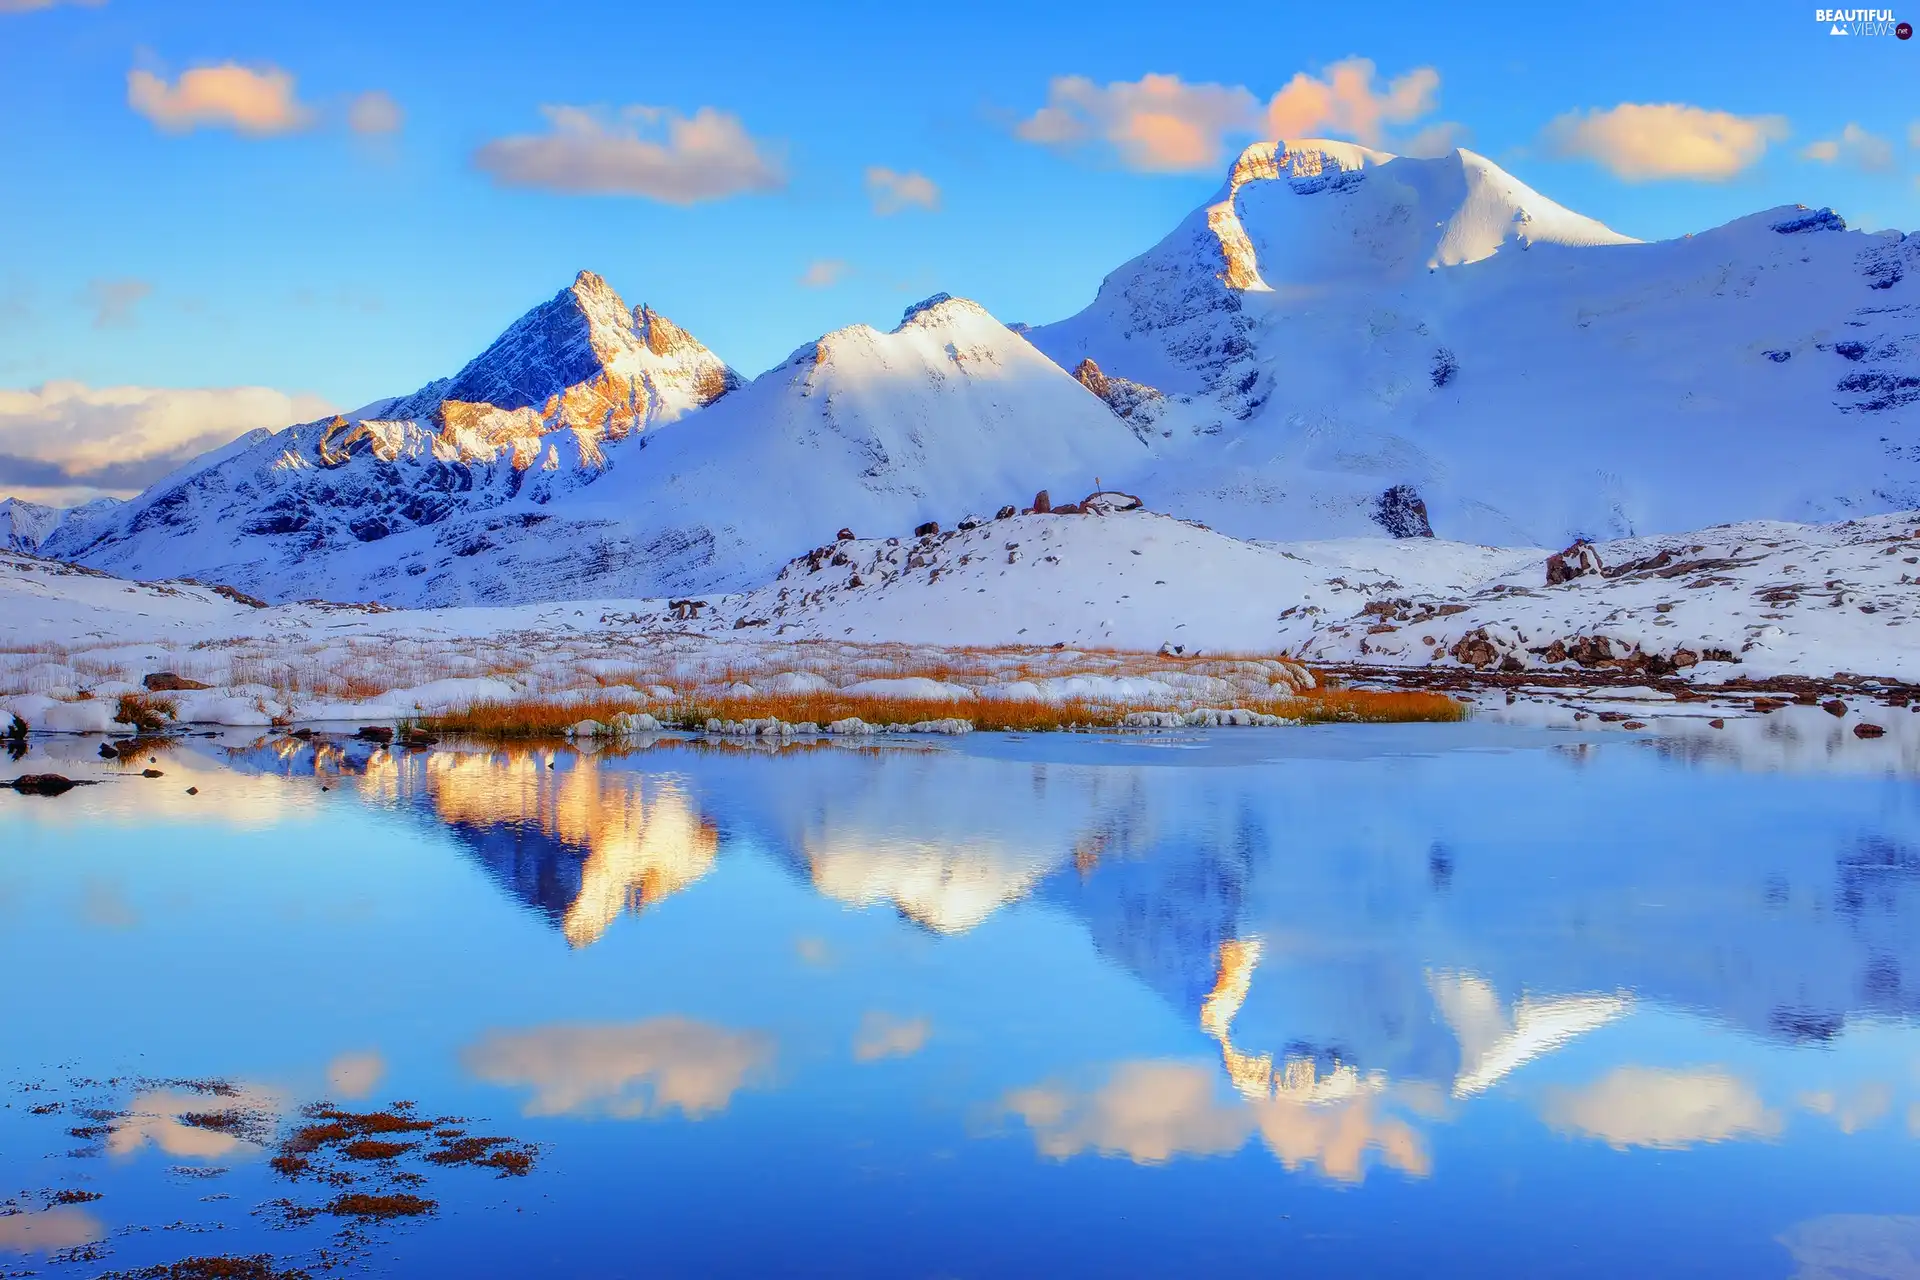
{"type": "Point", "coordinates": [1338, 322]}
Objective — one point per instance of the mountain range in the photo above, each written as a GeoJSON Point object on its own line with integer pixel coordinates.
{"type": "Point", "coordinates": [1340, 342]}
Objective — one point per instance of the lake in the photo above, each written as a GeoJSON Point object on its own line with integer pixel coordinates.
{"type": "Point", "coordinates": [1391, 1001]}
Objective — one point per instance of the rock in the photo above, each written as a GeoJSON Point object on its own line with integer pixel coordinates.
{"type": "Point", "coordinates": [1103, 502]}
{"type": "Point", "coordinates": [1069, 509]}
{"type": "Point", "coordinates": [629, 722]}
{"type": "Point", "coordinates": [168, 682]}
{"type": "Point", "coordinates": [1716, 724]}
{"type": "Point", "coordinates": [1865, 730]}
{"type": "Point", "coordinates": [1042, 503]}
{"type": "Point", "coordinates": [1633, 724]}
{"type": "Point", "coordinates": [108, 753]}
{"type": "Point", "coordinates": [926, 530]}
{"type": "Point", "coordinates": [380, 733]}
{"type": "Point", "coordinates": [1578, 561]}
{"type": "Point", "coordinates": [585, 729]}
{"type": "Point", "coordinates": [845, 535]}
{"type": "Point", "coordinates": [1766, 705]}
{"type": "Point", "coordinates": [1555, 652]}
{"type": "Point", "coordinates": [1834, 707]}
{"type": "Point", "coordinates": [851, 725]}
{"type": "Point", "coordinates": [1684, 658]}
{"type": "Point", "coordinates": [152, 773]}
{"type": "Point", "coordinates": [1007, 512]}
{"type": "Point", "coordinates": [193, 791]}
{"type": "Point", "coordinates": [1402, 512]}
{"type": "Point", "coordinates": [42, 784]}
{"type": "Point", "coordinates": [1475, 650]}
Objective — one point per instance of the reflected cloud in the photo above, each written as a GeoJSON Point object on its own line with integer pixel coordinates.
{"type": "Point", "coordinates": [1661, 1108]}
{"type": "Point", "coordinates": [882, 1035]}
{"type": "Point", "coordinates": [355, 1075]}
{"type": "Point", "coordinates": [105, 906]}
{"type": "Point", "coordinates": [166, 1118]}
{"type": "Point", "coordinates": [1853, 1110]}
{"type": "Point", "coordinates": [1855, 1246]}
{"type": "Point", "coordinates": [948, 886]}
{"type": "Point", "coordinates": [628, 1071]}
{"type": "Point", "coordinates": [61, 1227]}
{"type": "Point", "coordinates": [1494, 1042]}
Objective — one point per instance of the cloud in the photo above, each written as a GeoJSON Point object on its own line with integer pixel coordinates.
{"type": "Point", "coordinates": [1642, 142]}
{"type": "Point", "coordinates": [1855, 147]}
{"type": "Point", "coordinates": [259, 101]}
{"type": "Point", "coordinates": [375, 112]}
{"type": "Point", "coordinates": [1157, 124]}
{"type": "Point", "coordinates": [355, 1075]}
{"type": "Point", "coordinates": [1150, 1112]}
{"type": "Point", "coordinates": [28, 6]}
{"type": "Point", "coordinates": [629, 1071]}
{"type": "Point", "coordinates": [113, 301]}
{"type": "Point", "coordinates": [1855, 1110]}
{"type": "Point", "coordinates": [651, 152]}
{"type": "Point", "coordinates": [1161, 124]}
{"type": "Point", "coordinates": [1344, 101]}
{"type": "Point", "coordinates": [65, 442]}
{"type": "Point", "coordinates": [884, 1036]}
{"type": "Point", "coordinates": [1652, 1107]}
{"type": "Point", "coordinates": [61, 1227]}
{"type": "Point", "coordinates": [893, 192]}
{"type": "Point", "coordinates": [1855, 1246]}
{"type": "Point", "coordinates": [1913, 135]}
{"type": "Point", "coordinates": [824, 273]}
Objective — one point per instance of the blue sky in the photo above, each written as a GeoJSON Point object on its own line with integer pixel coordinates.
{"type": "Point", "coordinates": [158, 247]}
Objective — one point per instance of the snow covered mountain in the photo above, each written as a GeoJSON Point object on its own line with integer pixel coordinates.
{"type": "Point", "coordinates": [25, 525]}
{"type": "Point", "coordinates": [1342, 342]}
{"type": "Point", "coordinates": [542, 471]}
{"type": "Point", "coordinates": [542, 410]}
{"type": "Point", "coordinates": [1341, 333]}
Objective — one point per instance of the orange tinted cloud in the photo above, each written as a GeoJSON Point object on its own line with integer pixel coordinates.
{"type": "Point", "coordinates": [259, 101]}
{"type": "Point", "coordinates": [652, 152]}
{"type": "Point", "coordinates": [1646, 141]}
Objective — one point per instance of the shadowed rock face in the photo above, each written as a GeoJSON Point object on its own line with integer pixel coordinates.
{"type": "Point", "coordinates": [1402, 513]}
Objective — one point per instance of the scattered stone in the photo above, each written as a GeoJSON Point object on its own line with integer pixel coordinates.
{"type": "Point", "coordinates": [1578, 561]}
{"type": "Point", "coordinates": [926, 530]}
{"type": "Point", "coordinates": [107, 752]}
{"type": "Point", "coordinates": [1716, 724]}
{"type": "Point", "coordinates": [152, 773]}
{"type": "Point", "coordinates": [1634, 724]}
{"type": "Point", "coordinates": [380, 733]}
{"type": "Point", "coordinates": [1402, 512]}
{"type": "Point", "coordinates": [1042, 504]}
{"type": "Point", "coordinates": [43, 784]}
{"type": "Point", "coordinates": [193, 791]}
{"type": "Point", "coordinates": [845, 535]}
{"type": "Point", "coordinates": [169, 682]}
{"type": "Point", "coordinates": [1865, 730]}
{"type": "Point", "coordinates": [1834, 707]}
{"type": "Point", "coordinates": [1007, 512]}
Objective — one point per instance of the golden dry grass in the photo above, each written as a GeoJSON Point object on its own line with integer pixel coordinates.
{"type": "Point", "coordinates": [549, 717]}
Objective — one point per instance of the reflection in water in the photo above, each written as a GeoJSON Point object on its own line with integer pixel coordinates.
{"type": "Point", "coordinates": [628, 1071]}
{"type": "Point", "coordinates": [48, 1230]}
{"type": "Point", "coordinates": [355, 1075]}
{"type": "Point", "coordinates": [1856, 1246]}
{"type": "Point", "coordinates": [1652, 1107]}
{"type": "Point", "coordinates": [175, 1121]}
{"type": "Point", "coordinates": [1494, 1041]}
{"type": "Point", "coordinates": [882, 1035]}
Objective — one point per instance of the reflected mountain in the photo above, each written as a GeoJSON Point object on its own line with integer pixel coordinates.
{"type": "Point", "coordinates": [1326, 925]}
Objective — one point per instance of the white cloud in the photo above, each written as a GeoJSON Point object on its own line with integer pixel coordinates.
{"type": "Point", "coordinates": [1855, 1246]}
{"type": "Point", "coordinates": [884, 1036]}
{"type": "Point", "coordinates": [28, 6]}
{"type": "Point", "coordinates": [1855, 147]}
{"type": "Point", "coordinates": [65, 442]}
{"type": "Point", "coordinates": [1162, 124]}
{"type": "Point", "coordinates": [892, 192]}
{"type": "Point", "coordinates": [160, 1117]}
{"type": "Point", "coordinates": [629, 1071]}
{"type": "Point", "coordinates": [652, 152]}
{"type": "Point", "coordinates": [258, 101]}
{"type": "Point", "coordinates": [113, 301]}
{"type": "Point", "coordinates": [1666, 1109]}
{"type": "Point", "coordinates": [1156, 124]}
{"type": "Point", "coordinates": [374, 112]}
{"type": "Point", "coordinates": [1344, 101]}
{"type": "Point", "coordinates": [824, 273]}
{"type": "Point", "coordinates": [1647, 141]}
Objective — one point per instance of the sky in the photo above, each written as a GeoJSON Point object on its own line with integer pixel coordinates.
{"type": "Point", "coordinates": [300, 206]}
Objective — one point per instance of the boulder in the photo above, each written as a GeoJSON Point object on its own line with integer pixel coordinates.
{"type": "Point", "coordinates": [1042, 503]}
{"type": "Point", "coordinates": [1834, 707]}
{"type": "Point", "coordinates": [1865, 730]}
{"type": "Point", "coordinates": [169, 682]}
{"type": "Point", "coordinates": [926, 530]}
{"type": "Point", "coordinates": [1577, 561]}
{"type": "Point", "coordinates": [1007, 512]}
{"type": "Point", "coordinates": [42, 784]}
{"type": "Point", "coordinates": [845, 535]}
{"type": "Point", "coordinates": [1402, 512]}
{"type": "Point", "coordinates": [380, 733]}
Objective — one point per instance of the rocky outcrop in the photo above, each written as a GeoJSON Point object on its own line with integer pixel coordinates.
{"type": "Point", "coordinates": [1577, 561]}
{"type": "Point", "coordinates": [1137, 402]}
{"type": "Point", "coordinates": [1402, 512]}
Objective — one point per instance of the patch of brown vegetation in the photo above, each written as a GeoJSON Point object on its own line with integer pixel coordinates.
{"type": "Point", "coordinates": [146, 712]}
{"type": "Point", "coordinates": [70, 1195]}
{"type": "Point", "coordinates": [380, 1208]}
{"type": "Point", "coordinates": [510, 1158]}
{"type": "Point", "coordinates": [374, 1149]}
{"type": "Point", "coordinates": [220, 1267]}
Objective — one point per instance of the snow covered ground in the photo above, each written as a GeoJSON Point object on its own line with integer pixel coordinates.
{"type": "Point", "coordinates": [1144, 608]}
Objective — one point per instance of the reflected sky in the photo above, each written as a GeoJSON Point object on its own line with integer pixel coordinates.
{"type": "Point", "coordinates": [1423, 1002]}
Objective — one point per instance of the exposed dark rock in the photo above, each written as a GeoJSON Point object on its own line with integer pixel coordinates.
{"type": "Point", "coordinates": [380, 733]}
{"type": "Point", "coordinates": [845, 535]}
{"type": "Point", "coordinates": [43, 784]}
{"type": "Point", "coordinates": [1402, 512]}
{"type": "Point", "coordinates": [926, 530]}
{"type": "Point", "coordinates": [1042, 503]}
{"type": "Point", "coordinates": [168, 682]}
{"type": "Point", "coordinates": [1007, 512]}
{"type": "Point", "coordinates": [1865, 730]}
{"type": "Point", "coordinates": [1445, 367]}
{"type": "Point", "coordinates": [1577, 561]}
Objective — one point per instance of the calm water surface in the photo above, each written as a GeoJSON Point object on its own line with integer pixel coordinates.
{"type": "Point", "coordinates": [1416, 1001]}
